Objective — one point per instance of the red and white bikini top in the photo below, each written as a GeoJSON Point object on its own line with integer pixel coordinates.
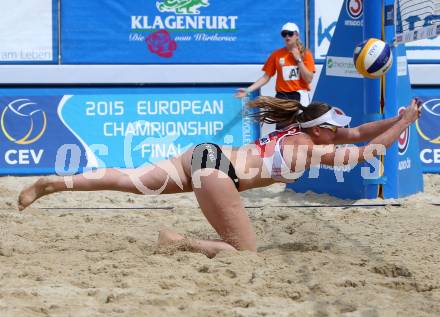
{"type": "Point", "coordinates": [270, 148]}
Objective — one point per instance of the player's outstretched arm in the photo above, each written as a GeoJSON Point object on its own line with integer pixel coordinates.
{"type": "Point", "coordinates": [330, 155]}
{"type": "Point", "coordinates": [368, 131]}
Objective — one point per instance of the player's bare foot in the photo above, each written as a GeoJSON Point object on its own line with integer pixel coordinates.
{"type": "Point", "coordinates": [31, 193]}
{"type": "Point", "coordinates": [167, 237]}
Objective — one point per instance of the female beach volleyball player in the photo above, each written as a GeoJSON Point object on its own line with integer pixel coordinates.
{"type": "Point", "coordinates": [217, 174]}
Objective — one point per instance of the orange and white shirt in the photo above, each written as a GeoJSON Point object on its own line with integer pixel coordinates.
{"type": "Point", "coordinates": [285, 66]}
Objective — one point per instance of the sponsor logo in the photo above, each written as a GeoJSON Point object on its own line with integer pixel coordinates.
{"type": "Point", "coordinates": [329, 63]}
{"type": "Point", "coordinates": [183, 19]}
{"type": "Point", "coordinates": [373, 49]}
{"type": "Point", "coordinates": [403, 145]}
{"type": "Point", "coordinates": [340, 111]}
{"type": "Point", "coordinates": [325, 33]}
{"type": "Point", "coordinates": [403, 140]}
{"type": "Point", "coordinates": [22, 122]}
{"type": "Point", "coordinates": [161, 43]}
{"type": "Point", "coordinates": [181, 6]}
{"type": "Point", "coordinates": [404, 165]}
{"type": "Point", "coordinates": [326, 19]}
{"type": "Point", "coordinates": [211, 153]}
{"type": "Point", "coordinates": [355, 8]}
{"type": "Point", "coordinates": [264, 140]}
{"type": "Point", "coordinates": [341, 67]}
{"type": "Point", "coordinates": [427, 125]}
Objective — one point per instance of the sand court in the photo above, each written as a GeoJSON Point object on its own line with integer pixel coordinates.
{"type": "Point", "coordinates": [318, 261]}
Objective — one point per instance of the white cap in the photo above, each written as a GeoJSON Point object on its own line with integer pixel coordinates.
{"type": "Point", "coordinates": [290, 26]}
{"type": "Point", "coordinates": [330, 117]}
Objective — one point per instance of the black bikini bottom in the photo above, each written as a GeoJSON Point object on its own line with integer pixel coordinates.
{"type": "Point", "coordinates": [210, 155]}
{"type": "Point", "coordinates": [291, 95]}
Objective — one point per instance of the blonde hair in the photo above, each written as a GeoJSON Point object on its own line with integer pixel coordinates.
{"type": "Point", "coordinates": [301, 47]}
{"type": "Point", "coordinates": [285, 112]}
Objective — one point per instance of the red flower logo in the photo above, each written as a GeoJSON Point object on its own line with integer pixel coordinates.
{"type": "Point", "coordinates": [161, 43]}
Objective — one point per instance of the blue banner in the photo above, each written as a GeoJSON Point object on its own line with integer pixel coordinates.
{"type": "Point", "coordinates": [174, 31]}
{"type": "Point", "coordinates": [68, 130]}
{"type": "Point", "coordinates": [402, 160]}
{"type": "Point", "coordinates": [428, 129]}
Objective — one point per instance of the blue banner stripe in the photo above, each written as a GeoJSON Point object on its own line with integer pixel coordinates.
{"type": "Point", "coordinates": [60, 131]}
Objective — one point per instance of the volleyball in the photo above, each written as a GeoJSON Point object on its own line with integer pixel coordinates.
{"type": "Point", "coordinates": [372, 58]}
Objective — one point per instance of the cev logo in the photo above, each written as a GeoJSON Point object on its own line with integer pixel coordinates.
{"type": "Point", "coordinates": [34, 121]}
{"type": "Point", "coordinates": [431, 113]}
{"type": "Point", "coordinates": [355, 8]}
{"type": "Point", "coordinates": [403, 140]}
{"type": "Point", "coordinates": [181, 6]}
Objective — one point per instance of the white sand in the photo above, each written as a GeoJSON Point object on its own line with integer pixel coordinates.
{"type": "Point", "coordinates": [311, 261]}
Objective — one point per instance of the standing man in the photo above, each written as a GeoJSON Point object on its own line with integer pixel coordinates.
{"type": "Point", "coordinates": [294, 66]}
